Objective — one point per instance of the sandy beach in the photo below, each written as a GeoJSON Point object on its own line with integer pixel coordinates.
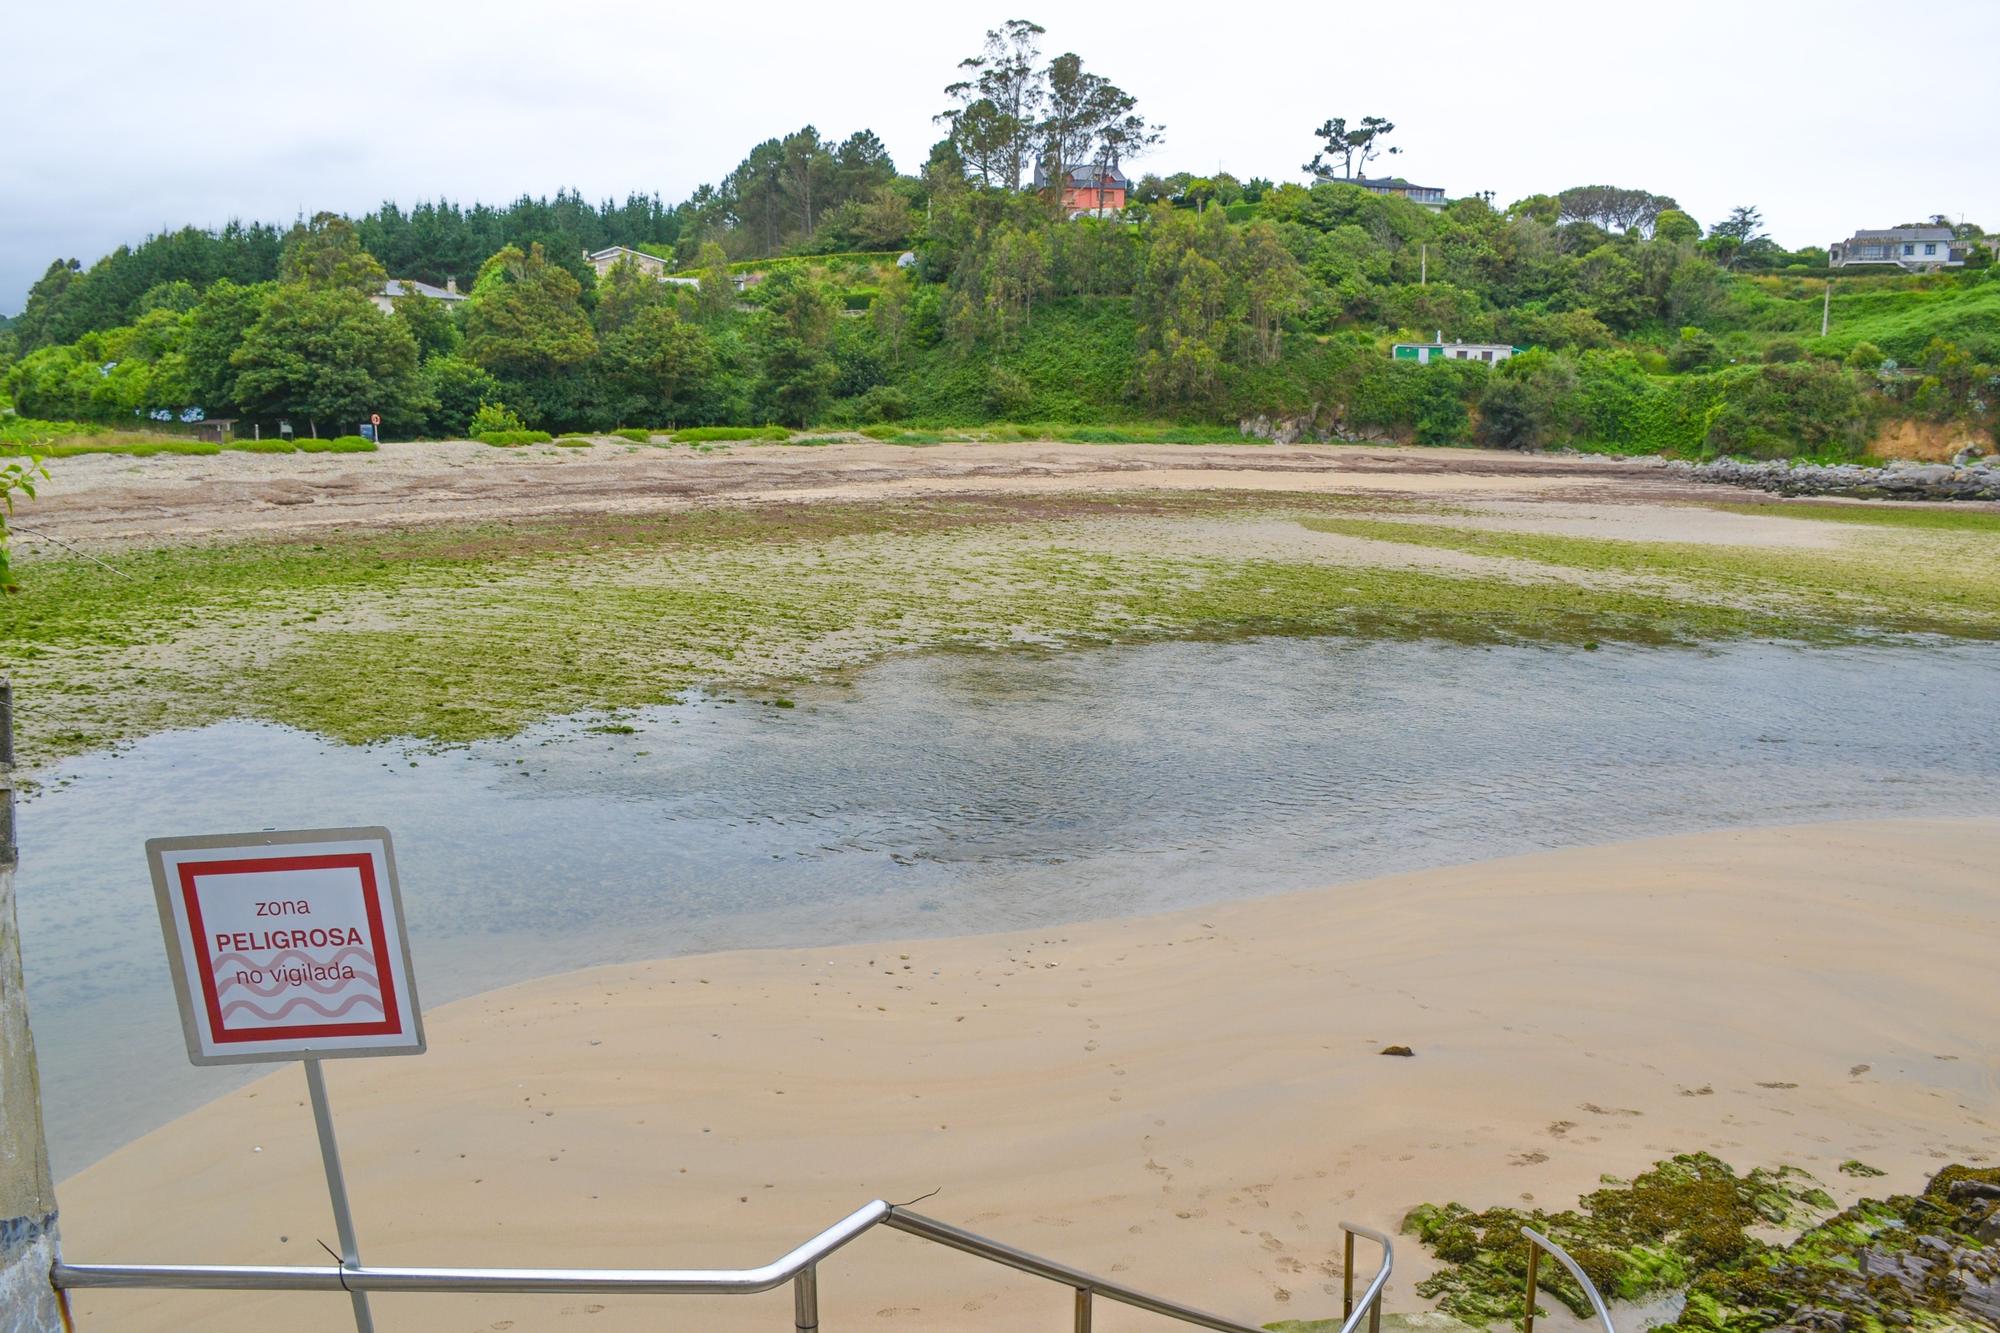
{"type": "Point", "coordinates": [107, 500]}
{"type": "Point", "coordinates": [1190, 1102]}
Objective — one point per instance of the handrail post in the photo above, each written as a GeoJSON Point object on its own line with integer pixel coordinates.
{"type": "Point", "coordinates": [1083, 1310]}
{"type": "Point", "coordinates": [1538, 1242]}
{"type": "Point", "coordinates": [1534, 1263]}
{"type": "Point", "coordinates": [805, 1300]}
{"type": "Point", "coordinates": [1347, 1280]}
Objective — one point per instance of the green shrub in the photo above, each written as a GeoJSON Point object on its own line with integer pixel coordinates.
{"type": "Point", "coordinates": [493, 419]}
{"type": "Point", "coordinates": [274, 445]}
{"type": "Point", "coordinates": [130, 448]}
{"type": "Point", "coordinates": [881, 432]}
{"type": "Point", "coordinates": [884, 402]}
{"type": "Point", "coordinates": [710, 434]}
{"type": "Point", "coordinates": [340, 444]}
{"type": "Point", "coordinates": [1693, 350]}
{"type": "Point", "coordinates": [509, 439]}
{"type": "Point", "coordinates": [1865, 356]}
{"type": "Point", "coordinates": [636, 434]}
{"type": "Point", "coordinates": [1782, 350]}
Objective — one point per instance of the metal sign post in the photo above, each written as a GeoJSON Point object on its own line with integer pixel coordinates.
{"type": "Point", "coordinates": [336, 1189]}
{"type": "Point", "coordinates": [291, 946]}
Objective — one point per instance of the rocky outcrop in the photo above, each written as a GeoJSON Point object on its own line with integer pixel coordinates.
{"type": "Point", "coordinates": [1897, 481]}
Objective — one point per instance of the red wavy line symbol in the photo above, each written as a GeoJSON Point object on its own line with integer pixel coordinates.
{"type": "Point", "coordinates": [301, 1002]}
{"type": "Point", "coordinates": [277, 959]}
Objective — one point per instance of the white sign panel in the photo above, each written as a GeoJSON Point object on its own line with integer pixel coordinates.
{"type": "Point", "coordinates": [284, 945]}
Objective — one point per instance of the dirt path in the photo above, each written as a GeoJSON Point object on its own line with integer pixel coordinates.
{"type": "Point", "coordinates": [113, 500]}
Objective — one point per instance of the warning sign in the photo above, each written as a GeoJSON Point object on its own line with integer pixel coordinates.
{"type": "Point", "coordinates": [287, 944]}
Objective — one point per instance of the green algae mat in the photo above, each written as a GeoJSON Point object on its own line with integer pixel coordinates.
{"type": "Point", "coordinates": [1692, 1225]}
{"type": "Point", "coordinates": [459, 633]}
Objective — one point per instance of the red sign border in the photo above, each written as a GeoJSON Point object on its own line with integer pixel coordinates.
{"type": "Point", "coordinates": [391, 1022]}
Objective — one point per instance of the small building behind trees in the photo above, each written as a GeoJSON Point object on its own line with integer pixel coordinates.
{"type": "Point", "coordinates": [1087, 189]}
{"type": "Point", "coordinates": [385, 300]}
{"type": "Point", "coordinates": [1430, 196]}
{"type": "Point", "coordinates": [1425, 353]}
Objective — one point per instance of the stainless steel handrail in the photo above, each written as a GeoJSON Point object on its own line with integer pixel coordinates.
{"type": "Point", "coordinates": [1371, 1299]}
{"type": "Point", "coordinates": [1537, 1242]}
{"type": "Point", "coordinates": [799, 1267]}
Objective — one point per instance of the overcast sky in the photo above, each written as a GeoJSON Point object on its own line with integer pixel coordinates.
{"type": "Point", "coordinates": [128, 118]}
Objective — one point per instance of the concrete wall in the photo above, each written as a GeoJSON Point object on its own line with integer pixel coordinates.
{"type": "Point", "coordinates": [27, 1199]}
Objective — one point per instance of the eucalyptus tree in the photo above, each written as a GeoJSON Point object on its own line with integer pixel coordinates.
{"type": "Point", "coordinates": [1000, 103]}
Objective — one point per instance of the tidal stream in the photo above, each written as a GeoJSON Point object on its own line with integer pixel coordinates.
{"type": "Point", "coordinates": [951, 794]}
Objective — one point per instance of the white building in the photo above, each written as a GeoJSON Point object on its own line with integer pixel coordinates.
{"type": "Point", "coordinates": [385, 300]}
{"type": "Point", "coordinates": [1917, 249]}
{"type": "Point", "coordinates": [1425, 353]}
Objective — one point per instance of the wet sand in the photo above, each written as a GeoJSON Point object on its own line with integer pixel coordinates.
{"type": "Point", "coordinates": [102, 499]}
{"type": "Point", "coordinates": [1189, 1102]}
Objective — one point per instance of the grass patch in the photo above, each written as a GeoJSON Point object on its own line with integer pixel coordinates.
{"type": "Point", "coordinates": [513, 439]}
{"type": "Point", "coordinates": [715, 434]}
{"type": "Point", "coordinates": [1930, 583]}
{"type": "Point", "coordinates": [1869, 515]}
{"type": "Point", "coordinates": [272, 446]}
{"type": "Point", "coordinates": [339, 444]}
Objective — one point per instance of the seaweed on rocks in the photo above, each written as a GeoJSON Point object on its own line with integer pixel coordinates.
{"type": "Point", "coordinates": [1929, 1261]}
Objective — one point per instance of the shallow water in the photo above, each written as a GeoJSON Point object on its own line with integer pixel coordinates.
{"type": "Point", "coordinates": [955, 793]}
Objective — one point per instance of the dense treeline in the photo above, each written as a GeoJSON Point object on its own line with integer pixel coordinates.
{"type": "Point", "coordinates": [1208, 299]}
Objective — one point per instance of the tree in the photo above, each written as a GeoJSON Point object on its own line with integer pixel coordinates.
{"type": "Point", "coordinates": [1091, 121]}
{"type": "Point", "coordinates": [656, 364]}
{"type": "Point", "coordinates": [624, 292]}
{"type": "Point", "coordinates": [717, 293]}
{"type": "Point", "coordinates": [1352, 149]}
{"type": "Point", "coordinates": [326, 253]}
{"type": "Point", "coordinates": [430, 322]}
{"type": "Point", "coordinates": [1735, 234]}
{"type": "Point", "coordinates": [214, 330]}
{"type": "Point", "coordinates": [524, 317]}
{"type": "Point", "coordinates": [327, 354]}
{"type": "Point", "coordinates": [1004, 77]}
{"type": "Point", "coordinates": [1017, 275]}
{"type": "Point", "coordinates": [1675, 226]}
{"type": "Point", "coordinates": [456, 389]}
{"type": "Point", "coordinates": [1613, 206]}
{"type": "Point", "coordinates": [808, 174]}
{"type": "Point", "coordinates": [1274, 287]}
{"type": "Point", "coordinates": [791, 337]}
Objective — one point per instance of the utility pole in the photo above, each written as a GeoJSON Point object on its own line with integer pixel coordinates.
{"type": "Point", "coordinates": [1424, 264]}
{"type": "Point", "coordinates": [28, 1303]}
{"type": "Point", "coordinates": [1826, 308]}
